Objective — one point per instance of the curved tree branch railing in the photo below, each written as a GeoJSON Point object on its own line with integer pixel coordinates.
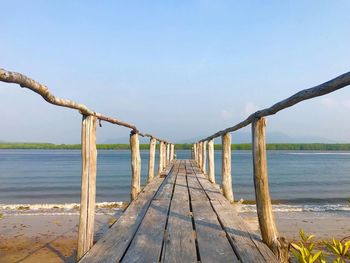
{"type": "Point", "coordinates": [89, 154]}
{"type": "Point", "coordinates": [267, 223]}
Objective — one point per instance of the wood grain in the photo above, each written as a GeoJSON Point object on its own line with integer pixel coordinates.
{"type": "Point", "coordinates": [263, 200]}
{"type": "Point", "coordinates": [88, 185]}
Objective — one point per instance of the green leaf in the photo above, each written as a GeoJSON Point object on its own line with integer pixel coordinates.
{"type": "Point", "coordinates": [316, 256]}
{"type": "Point", "coordinates": [295, 246]}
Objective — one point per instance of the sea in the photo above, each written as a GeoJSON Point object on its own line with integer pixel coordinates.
{"type": "Point", "coordinates": [48, 181]}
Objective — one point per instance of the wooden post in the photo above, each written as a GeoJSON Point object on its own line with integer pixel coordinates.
{"type": "Point", "coordinates": [88, 185]}
{"type": "Point", "coordinates": [172, 152]}
{"type": "Point", "coordinates": [164, 155]}
{"type": "Point", "coordinates": [211, 167]}
{"type": "Point", "coordinates": [263, 201]}
{"type": "Point", "coordinates": [200, 154]}
{"type": "Point", "coordinates": [135, 165]}
{"type": "Point", "coordinates": [195, 152]}
{"type": "Point", "coordinates": [161, 156]}
{"type": "Point", "coordinates": [167, 153]}
{"type": "Point", "coordinates": [226, 167]}
{"type": "Point", "coordinates": [152, 153]}
{"type": "Point", "coordinates": [204, 157]}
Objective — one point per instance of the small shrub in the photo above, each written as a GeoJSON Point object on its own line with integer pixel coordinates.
{"type": "Point", "coordinates": [304, 253]}
{"type": "Point", "coordinates": [339, 249]}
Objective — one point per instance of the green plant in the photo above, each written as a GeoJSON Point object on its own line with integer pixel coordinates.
{"type": "Point", "coordinates": [339, 249]}
{"type": "Point", "coordinates": [303, 251]}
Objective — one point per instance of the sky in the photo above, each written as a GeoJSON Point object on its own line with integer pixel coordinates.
{"type": "Point", "coordinates": [180, 70]}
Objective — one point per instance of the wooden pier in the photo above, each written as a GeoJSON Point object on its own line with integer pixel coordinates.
{"type": "Point", "coordinates": [180, 217]}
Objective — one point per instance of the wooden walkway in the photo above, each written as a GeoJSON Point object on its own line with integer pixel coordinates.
{"type": "Point", "coordinates": [180, 217]}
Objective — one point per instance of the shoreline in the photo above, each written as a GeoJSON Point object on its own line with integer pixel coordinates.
{"type": "Point", "coordinates": [330, 147]}
{"type": "Point", "coordinates": [53, 237]}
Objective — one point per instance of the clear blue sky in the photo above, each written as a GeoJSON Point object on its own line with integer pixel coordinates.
{"type": "Point", "coordinates": [178, 69]}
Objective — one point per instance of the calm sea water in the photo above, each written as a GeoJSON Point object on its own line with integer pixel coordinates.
{"type": "Point", "coordinates": [314, 180]}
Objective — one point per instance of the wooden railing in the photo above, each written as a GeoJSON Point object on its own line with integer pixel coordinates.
{"type": "Point", "coordinates": [89, 154]}
{"type": "Point", "coordinates": [267, 223]}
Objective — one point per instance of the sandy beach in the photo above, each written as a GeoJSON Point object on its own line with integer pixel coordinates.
{"type": "Point", "coordinates": [52, 238]}
{"type": "Point", "coordinates": [43, 238]}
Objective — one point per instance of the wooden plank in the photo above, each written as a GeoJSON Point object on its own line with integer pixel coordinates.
{"type": "Point", "coordinates": [248, 245]}
{"type": "Point", "coordinates": [181, 190]}
{"type": "Point", "coordinates": [147, 243]}
{"type": "Point", "coordinates": [195, 189]}
{"type": "Point", "coordinates": [179, 243]}
{"type": "Point", "coordinates": [166, 189]}
{"type": "Point", "coordinates": [88, 185]}
{"type": "Point", "coordinates": [111, 247]}
{"type": "Point", "coordinates": [213, 244]}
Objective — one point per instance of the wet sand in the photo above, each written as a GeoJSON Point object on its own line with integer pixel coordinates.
{"type": "Point", "coordinates": [43, 238]}
{"type": "Point", "coordinates": [53, 238]}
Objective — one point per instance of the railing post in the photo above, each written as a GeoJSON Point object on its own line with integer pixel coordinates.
{"type": "Point", "coordinates": [204, 157]}
{"type": "Point", "coordinates": [135, 165]}
{"type": "Point", "coordinates": [263, 201]}
{"type": "Point", "coordinates": [226, 167]}
{"type": "Point", "coordinates": [152, 153]}
{"type": "Point", "coordinates": [172, 152]}
{"type": "Point", "coordinates": [161, 156]}
{"type": "Point", "coordinates": [164, 155]}
{"type": "Point", "coordinates": [167, 153]}
{"type": "Point", "coordinates": [211, 167]}
{"type": "Point", "coordinates": [195, 152]}
{"type": "Point", "coordinates": [88, 185]}
{"type": "Point", "coordinates": [200, 154]}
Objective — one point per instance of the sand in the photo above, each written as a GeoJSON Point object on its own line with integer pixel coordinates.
{"type": "Point", "coordinates": [43, 238]}
{"type": "Point", "coordinates": [53, 238]}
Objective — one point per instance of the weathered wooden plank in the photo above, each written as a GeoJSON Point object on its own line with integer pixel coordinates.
{"type": "Point", "coordinates": [196, 191]}
{"type": "Point", "coordinates": [248, 245]}
{"type": "Point", "coordinates": [242, 237]}
{"type": "Point", "coordinates": [180, 191]}
{"type": "Point", "coordinates": [166, 189]}
{"type": "Point", "coordinates": [213, 244]}
{"type": "Point", "coordinates": [179, 243]}
{"type": "Point", "coordinates": [147, 243]}
{"type": "Point", "coordinates": [135, 165]}
{"type": "Point", "coordinates": [267, 223]}
{"type": "Point", "coordinates": [88, 185]}
{"type": "Point", "coordinates": [111, 247]}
